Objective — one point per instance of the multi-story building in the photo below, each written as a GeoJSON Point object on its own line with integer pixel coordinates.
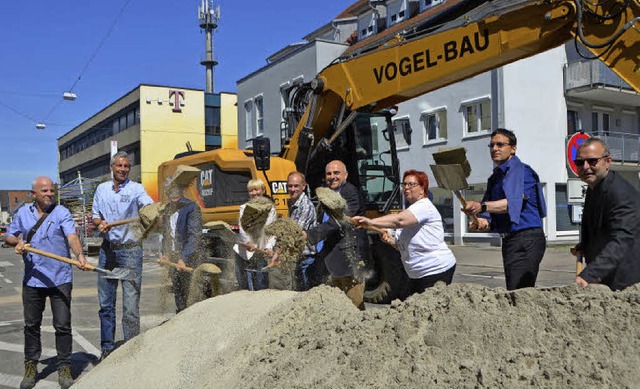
{"type": "Point", "coordinates": [10, 201]}
{"type": "Point", "coordinates": [152, 123]}
{"type": "Point", "coordinates": [543, 99]}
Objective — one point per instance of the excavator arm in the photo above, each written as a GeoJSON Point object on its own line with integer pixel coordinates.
{"type": "Point", "coordinates": [419, 59]}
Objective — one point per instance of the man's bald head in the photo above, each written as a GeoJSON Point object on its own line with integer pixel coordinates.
{"type": "Point", "coordinates": [335, 174]}
{"type": "Point", "coordinates": [44, 192]}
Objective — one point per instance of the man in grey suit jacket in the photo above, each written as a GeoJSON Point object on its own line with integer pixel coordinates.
{"type": "Point", "coordinates": [342, 242]}
{"type": "Point", "coordinates": [610, 240]}
{"type": "Point", "coordinates": [182, 233]}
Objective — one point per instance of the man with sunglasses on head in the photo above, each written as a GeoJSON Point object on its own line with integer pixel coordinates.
{"type": "Point", "coordinates": [610, 236]}
{"type": "Point", "coordinates": [513, 206]}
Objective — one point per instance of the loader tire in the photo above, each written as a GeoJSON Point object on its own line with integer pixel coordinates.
{"type": "Point", "coordinates": [388, 280]}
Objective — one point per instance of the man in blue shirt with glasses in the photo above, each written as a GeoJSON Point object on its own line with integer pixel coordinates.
{"type": "Point", "coordinates": [113, 201]}
{"type": "Point", "coordinates": [513, 206]}
{"type": "Point", "coordinates": [49, 228]}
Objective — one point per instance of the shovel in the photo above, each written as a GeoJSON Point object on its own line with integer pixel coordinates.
{"type": "Point", "coordinates": [452, 177]}
{"type": "Point", "coordinates": [206, 267]}
{"type": "Point", "coordinates": [125, 221]}
{"type": "Point", "coordinates": [117, 273]}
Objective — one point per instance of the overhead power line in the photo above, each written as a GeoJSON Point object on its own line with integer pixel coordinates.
{"type": "Point", "coordinates": [113, 25]}
{"type": "Point", "coordinates": [91, 58]}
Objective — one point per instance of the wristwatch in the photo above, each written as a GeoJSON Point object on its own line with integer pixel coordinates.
{"type": "Point", "coordinates": [483, 207]}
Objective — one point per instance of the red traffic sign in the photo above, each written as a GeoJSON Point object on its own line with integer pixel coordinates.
{"type": "Point", "coordinates": [572, 149]}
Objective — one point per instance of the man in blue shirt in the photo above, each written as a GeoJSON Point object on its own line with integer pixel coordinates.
{"type": "Point", "coordinates": [513, 206]}
{"type": "Point", "coordinates": [45, 277]}
{"type": "Point", "coordinates": [121, 247]}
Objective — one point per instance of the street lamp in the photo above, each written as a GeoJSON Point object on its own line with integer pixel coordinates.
{"type": "Point", "coordinates": [69, 96]}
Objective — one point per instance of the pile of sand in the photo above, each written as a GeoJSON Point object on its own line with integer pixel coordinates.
{"type": "Point", "coordinates": [461, 335]}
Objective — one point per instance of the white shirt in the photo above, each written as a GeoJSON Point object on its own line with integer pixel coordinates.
{"type": "Point", "coordinates": [173, 222]}
{"type": "Point", "coordinates": [422, 246]}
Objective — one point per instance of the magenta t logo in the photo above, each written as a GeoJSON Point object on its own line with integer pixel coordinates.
{"type": "Point", "coordinates": [178, 97]}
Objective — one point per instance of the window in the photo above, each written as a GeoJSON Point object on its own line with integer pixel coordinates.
{"type": "Point", "coordinates": [397, 13]}
{"type": "Point", "coordinates": [248, 119]}
{"type": "Point", "coordinates": [425, 4]}
{"type": "Point", "coordinates": [212, 120]}
{"type": "Point", "coordinates": [563, 210]}
{"type": "Point", "coordinates": [131, 118]}
{"type": "Point", "coordinates": [123, 123]}
{"type": "Point", "coordinates": [600, 122]}
{"type": "Point", "coordinates": [259, 116]}
{"type": "Point", "coordinates": [402, 131]}
{"type": "Point", "coordinates": [573, 122]}
{"type": "Point", "coordinates": [435, 125]}
{"type": "Point", "coordinates": [367, 25]}
{"type": "Point", "coordinates": [477, 117]}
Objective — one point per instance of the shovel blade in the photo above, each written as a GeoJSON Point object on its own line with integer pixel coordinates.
{"type": "Point", "coordinates": [120, 273]}
{"type": "Point", "coordinates": [450, 177]}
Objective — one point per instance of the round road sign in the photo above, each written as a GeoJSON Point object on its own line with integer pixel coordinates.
{"type": "Point", "coordinates": [572, 149]}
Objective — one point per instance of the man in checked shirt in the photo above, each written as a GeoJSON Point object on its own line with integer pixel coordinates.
{"type": "Point", "coordinates": [301, 209]}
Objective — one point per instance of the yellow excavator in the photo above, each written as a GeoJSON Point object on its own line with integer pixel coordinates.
{"type": "Point", "coordinates": [345, 111]}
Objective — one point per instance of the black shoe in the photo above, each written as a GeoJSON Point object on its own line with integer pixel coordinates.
{"type": "Point", "coordinates": [64, 377]}
{"type": "Point", "coordinates": [30, 373]}
{"type": "Point", "coordinates": [105, 353]}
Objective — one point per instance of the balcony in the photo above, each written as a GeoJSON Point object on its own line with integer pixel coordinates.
{"type": "Point", "coordinates": [593, 80]}
{"type": "Point", "coordinates": [624, 148]}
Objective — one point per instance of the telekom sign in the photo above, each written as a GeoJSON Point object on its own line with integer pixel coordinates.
{"type": "Point", "coordinates": [178, 98]}
{"type": "Point", "coordinates": [572, 149]}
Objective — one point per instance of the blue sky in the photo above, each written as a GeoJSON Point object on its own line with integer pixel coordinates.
{"type": "Point", "coordinates": [47, 44]}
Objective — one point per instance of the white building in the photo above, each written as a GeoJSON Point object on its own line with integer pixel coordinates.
{"type": "Point", "coordinates": [543, 99]}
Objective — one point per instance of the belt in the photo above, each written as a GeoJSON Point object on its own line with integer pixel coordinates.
{"type": "Point", "coordinates": [122, 246]}
{"type": "Point", "coordinates": [514, 233]}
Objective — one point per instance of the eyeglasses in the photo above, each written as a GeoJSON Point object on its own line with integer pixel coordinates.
{"type": "Point", "coordinates": [409, 184]}
{"type": "Point", "coordinates": [499, 144]}
{"type": "Point", "coordinates": [591, 161]}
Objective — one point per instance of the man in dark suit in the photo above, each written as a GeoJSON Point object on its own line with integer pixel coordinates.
{"type": "Point", "coordinates": [341, 242]}
{"type": "Point", "coordinates": [610, 240]}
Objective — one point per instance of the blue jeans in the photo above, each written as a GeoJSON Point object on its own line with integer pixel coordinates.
{"type": "Point", "coordinates": [305, 277]}
{"type": "Point", "coordinates": [257, 280]}
{"type": "Point", "coordinates": [130, 258]}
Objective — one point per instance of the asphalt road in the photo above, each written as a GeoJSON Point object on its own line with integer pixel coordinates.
{"type": "Point", "coordinates": [481, 265]}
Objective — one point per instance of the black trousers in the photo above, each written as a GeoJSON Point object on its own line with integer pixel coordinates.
{"type": "Point", "coordinates": [181, 285]}
{"type": "Point", "coordinates": [33, 303]}
{"type": "Point", "coordinates": [419, 285]}
{"type": "Point", "coordinates": [522, 252]}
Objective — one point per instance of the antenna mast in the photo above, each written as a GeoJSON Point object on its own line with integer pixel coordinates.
{"type": "Point", "coordinates": [208, 17]}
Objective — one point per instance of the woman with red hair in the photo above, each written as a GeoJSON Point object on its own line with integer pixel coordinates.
{"type": "Point", "coordinates": [425, 255]}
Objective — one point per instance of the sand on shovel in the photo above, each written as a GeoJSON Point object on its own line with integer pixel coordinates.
{"type": "Point", "coordinates": [256, 213]}
{"type": "Point", "coordinates": [332, 202]}
{"type": "Point", "coordinates": [290, 241]}
{"type": "Point", "coordinates": [456, 336]}
{"type": "Point", "coordinates": [336, 205]}
{"type": "Point", "coordinates": [203, 278]}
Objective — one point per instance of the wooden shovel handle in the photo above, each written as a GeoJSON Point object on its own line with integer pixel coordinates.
{"type": "Point", "coordinates": [125, 221]}
{"type": "Point", "coordinates": [70, 261]}
{"type": "Point", "coordinates": [464, 204]}
{"type": "Point", "coordinates": [168, 263]}
{"type": "Point", "coordinates": [256, 250]}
